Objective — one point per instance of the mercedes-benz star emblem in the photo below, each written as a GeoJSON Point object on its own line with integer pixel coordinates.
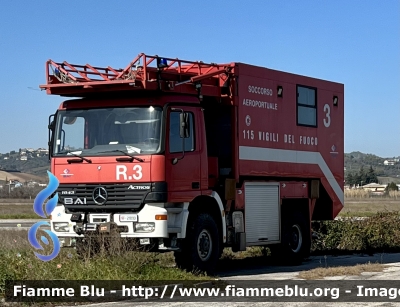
{"type": "Point", "coordinates": [100, 195]}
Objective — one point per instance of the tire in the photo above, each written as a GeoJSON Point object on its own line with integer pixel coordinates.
{"type": "Point", "coordinates": [296, 240]}
{"type": "Point", "coordinates": [201, 249]}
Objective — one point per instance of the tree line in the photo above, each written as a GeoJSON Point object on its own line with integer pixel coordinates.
{"type": "Point", "coordinates": [362, 177]}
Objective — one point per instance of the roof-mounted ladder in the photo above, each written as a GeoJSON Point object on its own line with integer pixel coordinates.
{"type": "Point", "coordinates": [143, 73]}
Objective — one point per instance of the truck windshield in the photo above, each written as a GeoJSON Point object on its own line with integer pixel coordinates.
{"type": "Point", "coordinates": [108, 131]}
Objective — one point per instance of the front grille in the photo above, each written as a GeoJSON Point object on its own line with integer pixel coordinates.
{"type": "Point", "coordinates": [120, 197]}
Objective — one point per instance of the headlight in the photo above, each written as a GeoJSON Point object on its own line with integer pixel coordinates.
{"type": "Point", "coordinates": [144, 227]}
{"type": "Point", "coordinates": [61, 227]}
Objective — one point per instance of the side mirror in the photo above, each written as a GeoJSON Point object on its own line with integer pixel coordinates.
{"type": "Point", "coordinates": [184, 125]}
{"type": "Point", "coordinates": [51, 127]}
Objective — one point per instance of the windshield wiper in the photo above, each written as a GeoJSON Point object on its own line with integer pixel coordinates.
{"type": "Point", "coordinates": [126, 154]}
{"type": "Point", "coordinates": [75, 155]}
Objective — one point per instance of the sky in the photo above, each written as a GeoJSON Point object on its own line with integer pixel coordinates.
{"type": "Point", "coordinates": [356, 43]}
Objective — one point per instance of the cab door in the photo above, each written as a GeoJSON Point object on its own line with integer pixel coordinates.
{"type": "Point", "coordinates": [182, 155]}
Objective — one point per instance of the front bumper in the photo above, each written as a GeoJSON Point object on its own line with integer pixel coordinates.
{"type": "Point", "coordinates": [148, 223]}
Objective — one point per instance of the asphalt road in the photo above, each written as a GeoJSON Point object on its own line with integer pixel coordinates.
{"type": "Point", "coordinates": [264, 276]}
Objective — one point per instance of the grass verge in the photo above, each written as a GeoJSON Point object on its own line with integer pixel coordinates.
{"type": "Point", "coordinates": [18, 262]}
{"type": "Point", "coordinates": [368, 207]}
{"type": "Point", "coordinates": [23, 211]}
{"type": "Point", "coordinates": [320, 273]}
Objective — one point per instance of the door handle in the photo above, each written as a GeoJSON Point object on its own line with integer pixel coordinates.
{"type": "Point", "coordinates": [196, 185]}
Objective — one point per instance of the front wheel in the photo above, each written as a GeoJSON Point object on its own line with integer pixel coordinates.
{"type": "Point", "coordinates": [200, 250]}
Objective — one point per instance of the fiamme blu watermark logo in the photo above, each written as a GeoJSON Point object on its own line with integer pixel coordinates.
{"type": "Point", "coordinates": [38, 206]}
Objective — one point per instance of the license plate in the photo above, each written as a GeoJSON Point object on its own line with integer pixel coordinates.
{"type": "Point", "coordinates": [144, 241]}
{"type": "Point", "coordinates": [128, 218]}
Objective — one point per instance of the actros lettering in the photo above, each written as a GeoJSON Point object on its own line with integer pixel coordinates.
{"type": "Point", "coordinates": [139, 187]}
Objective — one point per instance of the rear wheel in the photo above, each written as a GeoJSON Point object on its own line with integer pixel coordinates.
{"type": "Point", "coordinates": [296, 240]}
{"type": "Point", "coordinates": [201, 248]}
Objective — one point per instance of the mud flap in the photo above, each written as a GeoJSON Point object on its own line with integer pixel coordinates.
{"type": "Point", "coordinates": [240, 242]}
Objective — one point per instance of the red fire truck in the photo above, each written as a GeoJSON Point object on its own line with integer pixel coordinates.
{"type": "Point", "coordinates": [193, 157]}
